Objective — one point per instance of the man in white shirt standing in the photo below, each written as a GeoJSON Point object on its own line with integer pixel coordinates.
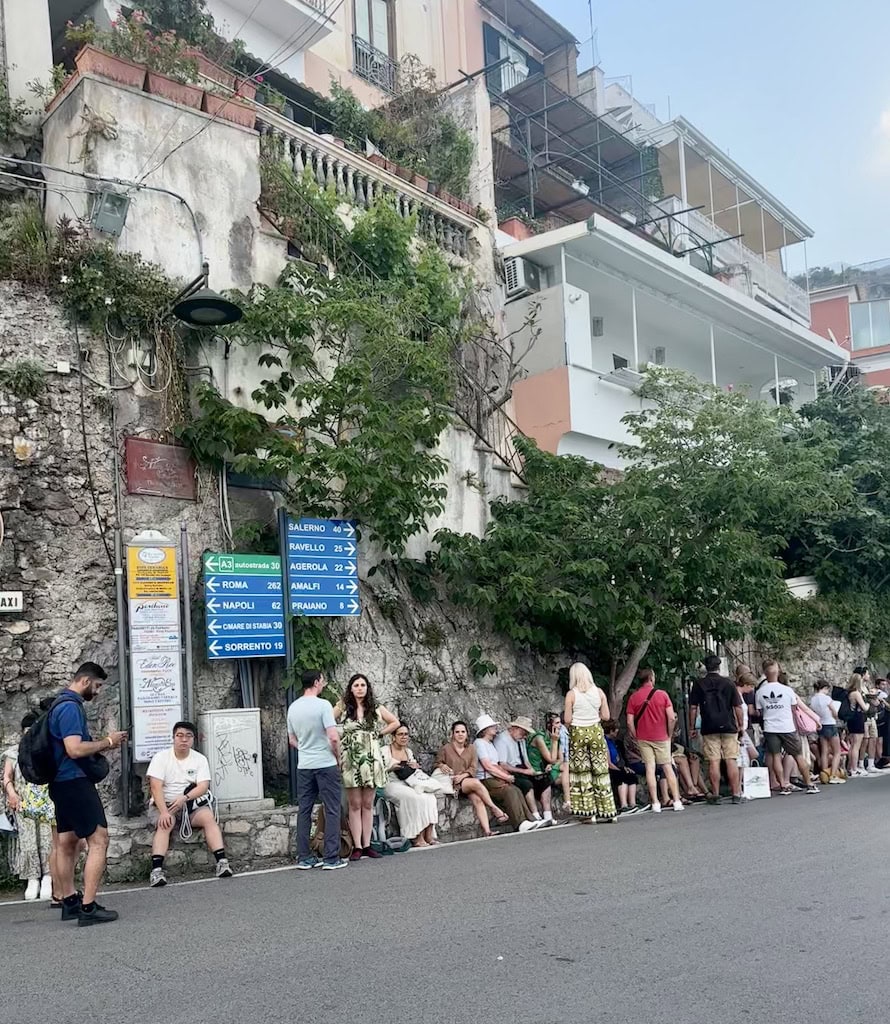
{"type": "Point", "coordinates": [775, 701]}
{"type": "Point", "coordinates": [179, 778]}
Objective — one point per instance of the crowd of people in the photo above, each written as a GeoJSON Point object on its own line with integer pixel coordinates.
{"type": "Point", "coordinates": [585, 763]}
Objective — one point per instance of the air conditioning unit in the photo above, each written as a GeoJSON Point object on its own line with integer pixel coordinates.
{"type": "Point", "coordinates": [523, 277]}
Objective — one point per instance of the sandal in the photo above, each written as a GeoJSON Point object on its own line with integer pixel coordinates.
{"type": "Point", "coordinates": [502, 818]}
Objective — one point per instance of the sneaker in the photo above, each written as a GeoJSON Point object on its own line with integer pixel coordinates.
{"type": "Point", "coordinates": [372, 854]}
{"type": "Point", "coordinates": [32, 889]}
{"type": "Point", "coordinates": [46, 888]}
{"type": "Point", "coordinates": [527, 826]}
{"type": "Point", "coordinates": [812, 789]}
{"type": "Point", "coordinates": [736, 799]}
{"type": "Point", "coordinates": [786, 791]}
{"type": "Point", "coordinates": [72, 912]}
{"type": "Point", "coordinates": [871, 770]}
{"type": "Point", "coordinates": [223, 870]}
{"type": "Point", "coordinates": [546, 823]}
{"type": "Point", "coordinates": [836, 781]}
{"type": "Point", "coordinates": [633, 810]}
{"type": "Point", "coordinates": [678, 805]}
{"type": "Point", "coordinates": [656, 808]}
{"type": "Point", "coordinates": [714, 801]}
{"type": "Point", "coordinates": [98, 915]}
{"type": "Point", "coordinates": [645, 807]}
{"type": "Point", "coordinates": [355, 855]}
{"type": "Point", "coordinates": [157, 877]}
{"type": "Point", "coordinates": [333, 865]}
{"type": "Point", "coordinates": [308, 863]}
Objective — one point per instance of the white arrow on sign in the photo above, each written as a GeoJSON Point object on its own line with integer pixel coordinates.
{"type": "Point", "coordinates": [349, 529]}
{"type": "Point", "coordinates": [213, 606]}
{"type": "Point", "coordinates": [349, 567]}
{"type": "Point", "coordinates": [353, 605]}
{"type": "Point", "coordinates": [213, 627]}
{"type": "Point", "coordinates": [351, 549]}
{"type": "Point", "coordinates": [213, 647]}
{"type": "Point", "coordinates": [212, 563]}
{"type": "Point", "coordinates": [351, 586]}
{"type": "Point", "coordinates": [211, 584]}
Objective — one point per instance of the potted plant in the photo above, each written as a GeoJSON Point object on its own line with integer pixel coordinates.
{"type": "Point", "coordinates": [229, 107]}
{"type": "Point", "coordinates": [404, 173]}
{"type": "Point", "coordinates": [210, 70]}
{"type": "Point", "coordinates": [246, 87]}
{"type": "Point", "coordinates": [378, 158]}
{"type": "Point", "coordinates": [271, 98]}
{"type": "Point", "coordinates": [432, 187]}
{"type": "Point", "coordinates": [421, 181]}
{"type": "Point", "coordinates": [94, 58]}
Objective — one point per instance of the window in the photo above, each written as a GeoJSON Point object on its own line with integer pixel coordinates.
{"type": "Point", "coordinates": [374, 25]}
{"type": "Point", "coordinates": [374, 43]}
{"type": "Point", "coordinates": [518, 65]}
{"type": "Point", "coordinates": [870, 323]}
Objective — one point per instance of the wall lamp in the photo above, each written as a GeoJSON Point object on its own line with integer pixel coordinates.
{"type": "Point", "coordinates": [199, 306]}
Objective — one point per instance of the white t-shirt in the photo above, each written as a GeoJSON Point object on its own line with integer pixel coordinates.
{"type": "Point", "coordinates": [176, 774]}
{"type": "Point", "coordinates": [776, 700]}
{"type": "Point", "coordinates": [821, 704]}
{"type": "Point", "coordinates": [486, 749]}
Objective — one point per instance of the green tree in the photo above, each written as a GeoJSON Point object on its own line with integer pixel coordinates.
{"type": "Point", "coordinates": [685, 545]}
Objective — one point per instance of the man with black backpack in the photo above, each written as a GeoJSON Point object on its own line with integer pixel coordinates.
{"type": "Point", "coordinates": [722, 719]}
{"type": "Point", "coordinates": [79, 811]}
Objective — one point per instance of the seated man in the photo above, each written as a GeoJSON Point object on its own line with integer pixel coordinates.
{"type": "Point", "coordinates": [179, 777]}
{"type": "Point", "coordinates": [533, 783]}
{"type": "Point", "coordinates": [496, 779]}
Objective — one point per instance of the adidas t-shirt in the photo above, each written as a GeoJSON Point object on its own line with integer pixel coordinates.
{"type": "Point", "coordinates": [776, 700]}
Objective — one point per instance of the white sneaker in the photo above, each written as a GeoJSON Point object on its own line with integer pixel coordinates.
{"type": "Point", "coordinates": [527, 826]}
{"type": "Point", "coordinates": [656, 808]}
{"type": "Point", "coordinates": [678, 805]}
{"type": "Point", "coordinates": [871, 770]}
{"type": "Point", "coordinates": [32, 890]}
{"type": "Point", "coordinates": [46, 887]}
{"type": "Point", "coordinates": [157, 878]}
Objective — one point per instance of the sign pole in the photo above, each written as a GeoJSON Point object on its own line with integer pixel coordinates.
{"type": "Point", "coordinates": [289, 654]}
{"type": "Point", "coordinates": [123, 675]}
{"type": "Point", "coordinates": [187, 622]}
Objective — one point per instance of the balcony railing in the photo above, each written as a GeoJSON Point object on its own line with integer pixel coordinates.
{"type": "Point", "coordinates": [374, 65]}
{"type": "Point", "coordinates": [361, 182]}
{"type": "Point", "coordinates": [763, 275]}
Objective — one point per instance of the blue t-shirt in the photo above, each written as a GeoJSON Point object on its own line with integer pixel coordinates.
{"type": "Point", "coordinates": [309, 718]}
{"type": "Point", "coordinates": [613, 752]}
{"type": "Point", "coordinates": [68, 719]}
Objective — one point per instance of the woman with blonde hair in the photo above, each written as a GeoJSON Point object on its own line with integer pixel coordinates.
{"type": "Point", "coordinates": [856, 726]}
{"type": "Point", "coordinates": [586, 708]}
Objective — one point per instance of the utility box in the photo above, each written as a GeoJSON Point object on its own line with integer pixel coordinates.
{"type": "Point", "coordinates": [231, 742]}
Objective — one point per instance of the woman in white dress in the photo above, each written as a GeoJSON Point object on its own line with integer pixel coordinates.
{"type": "Point", "coordinates": [418, 813]}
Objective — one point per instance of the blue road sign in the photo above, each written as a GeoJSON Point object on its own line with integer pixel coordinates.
{"type": "Point", "coordinates": [243, 606]}
{"type": "Point", "coordinates": [322, 567]}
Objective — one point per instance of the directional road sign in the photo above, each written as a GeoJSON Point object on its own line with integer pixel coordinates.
{"type": "Point", "coordinates": [322, 567]}
{"type": "Point", "coordinates": [243, 606]}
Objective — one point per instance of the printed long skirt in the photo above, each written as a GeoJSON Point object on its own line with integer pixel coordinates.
{"type": "Point", "coordinates": [589, 783]}
{"type": "Point", "coordinates": [35, 842]}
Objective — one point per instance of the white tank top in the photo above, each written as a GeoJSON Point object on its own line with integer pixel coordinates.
{"type": "Point", "coordinates": [587, 707]}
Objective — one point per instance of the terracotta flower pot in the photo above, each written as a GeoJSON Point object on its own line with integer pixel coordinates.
{"type": "Point", "coordinates": [179, 92]}
{"type": "Point", "coordinates": [404, 173]}
{"type": "Point", "coordinates": [63, 92]}
{"type": "Point", "coordinates": [378, 159]}
{"type": "Point", "coordinates": [447, 197]}
{"type": "Point", "coordinates": [98, 62]}
{"type": "Point", "coordinates": [390, 166]}
{"type": "Point", "coordinates": [246, 89]}
{"type": "Point", "coordinates": [515, 227]}
{"type": "Point", "coordinates": [211, 70]}
{"type": "Point", "coordinates": [229, 108]}
{"type": "Point", "coordinates": [421, 181]}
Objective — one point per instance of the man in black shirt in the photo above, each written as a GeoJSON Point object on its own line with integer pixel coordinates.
{"type": "Point", "coordinates": [720, 704]}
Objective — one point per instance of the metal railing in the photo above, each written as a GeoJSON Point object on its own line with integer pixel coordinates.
{"type": "Point", "coordinates": [487, 420]}
{"type": "Point", "coordinates": [320, 5]}
{"type": "Point", "coordinates": [360, 182]}
{"type": "Point", "coordinates": [730, 251]}
{"type": "Point", "coordinates": [374, 65]}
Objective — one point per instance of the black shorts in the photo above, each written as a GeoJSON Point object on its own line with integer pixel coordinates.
{"type": "Point", "coordinates": [532, 783]}
{"type": "Point", "coordinates": [78, 807]}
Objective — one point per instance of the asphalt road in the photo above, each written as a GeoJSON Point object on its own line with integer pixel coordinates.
{"type": "Point", "coordinates": [729, 914]}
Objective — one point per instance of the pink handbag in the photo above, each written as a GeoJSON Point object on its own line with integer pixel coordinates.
{"type": "Point", "coordinates": [806, 721]}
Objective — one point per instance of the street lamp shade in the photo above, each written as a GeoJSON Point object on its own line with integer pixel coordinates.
{"type": "Point", "coordinates": [206, 308]}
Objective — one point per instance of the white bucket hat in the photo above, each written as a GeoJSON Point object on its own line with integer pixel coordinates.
{"type": "Point", "coordinates": [484, 722]}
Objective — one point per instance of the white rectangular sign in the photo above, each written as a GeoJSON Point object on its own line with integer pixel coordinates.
{"type": "Point", "coordinates": [11, 601]}
{"type": "Point", "coordinates": [155, 647]}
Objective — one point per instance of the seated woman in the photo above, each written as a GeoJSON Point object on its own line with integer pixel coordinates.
{"type": "Point", "coordinates": [457, 758]}
{"type": "Point", "coordinates": [624, 781]}
{"type": "Point", "coordinates": [418, 813]}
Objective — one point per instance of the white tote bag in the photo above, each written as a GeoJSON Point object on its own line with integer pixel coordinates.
{"type": "Point", "coordinates": [755, 782]}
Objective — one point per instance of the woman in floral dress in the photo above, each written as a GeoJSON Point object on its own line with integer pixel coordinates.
{"type": "Point", "coordinates": [363, 723]}
{"type": "Point", "coordinates": [35, 818]}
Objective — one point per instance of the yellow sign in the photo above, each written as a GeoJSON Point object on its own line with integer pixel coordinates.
{"type": "Point", "coordinates": [151, 572]}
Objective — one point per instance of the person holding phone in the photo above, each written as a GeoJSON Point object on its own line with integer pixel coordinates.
{"type": "Point", "coordinates": [79, 811]}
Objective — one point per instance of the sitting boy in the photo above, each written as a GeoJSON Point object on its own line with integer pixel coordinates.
{"type": "Point", "coordinates": [179, 778]}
